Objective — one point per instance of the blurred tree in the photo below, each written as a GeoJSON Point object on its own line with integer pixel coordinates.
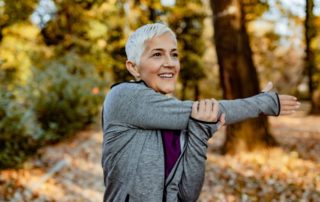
{"type": "Point", "coordinates": [89, 28]}
{"type": "Point", "coordinates": [238, 76]}
{"type": "Point", "coordinates": [41, 99]}
{"type": "Point", "coordinates": [17, 35]}
{"type": "Point", "coordinates": [278, 46]}
{"type": "Point", "coordinates": [310, 65]}
{"type": "Point", "coordinates": [18, 49]}
{"type": "Point", "coordinates": [127, 16]}
{"type": "Point", "coordinates": [316, 46]}
{"type": "Point", "coordinates": [187, 20]}
{"type": "Point", "coordinates": [116, 41]}
{"type": "Point", "coordinates": [15, 11]}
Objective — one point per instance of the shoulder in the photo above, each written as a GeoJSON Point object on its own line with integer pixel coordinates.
{"type": "Point", "coordinates": [128, 89]}
{"type": "Point", "coordinates": [128, 85]}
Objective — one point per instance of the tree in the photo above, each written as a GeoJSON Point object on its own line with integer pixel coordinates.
{"type": "Point", "coordinates": [186, 19]}
{"type": "Point", "coordinates": [238, 76]}
{"type": "Point", "coordinates": [14, 11]}
{"type": "Point", "coordinates": [129, 15]}
{"type": "Point", "coordinates": [310, 65]}
{"type": "Point", "coordinates": [17, 41]}
{"type": "Point", "coordinates": [49, 86]}
{"type": "Point", "coordinates": [92, 30]}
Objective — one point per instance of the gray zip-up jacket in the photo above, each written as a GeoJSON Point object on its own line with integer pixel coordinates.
{"type": "Point", "coordinates": [133, 156]}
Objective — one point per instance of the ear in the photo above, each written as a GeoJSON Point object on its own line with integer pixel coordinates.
{"type": "Point", "coordinates": [133, 69]}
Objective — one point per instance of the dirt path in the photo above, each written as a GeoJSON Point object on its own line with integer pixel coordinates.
{"type": "Point", "coordinates": [78, 176]}
{"type": "Point", "coordinates": [70, 171]}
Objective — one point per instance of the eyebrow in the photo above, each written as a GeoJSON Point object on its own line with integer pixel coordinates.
{"type": "Point", "coordinates": [161, 49]}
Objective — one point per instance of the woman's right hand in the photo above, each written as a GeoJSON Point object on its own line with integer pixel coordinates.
{"type": "Point", "coordinates": [207, 110]}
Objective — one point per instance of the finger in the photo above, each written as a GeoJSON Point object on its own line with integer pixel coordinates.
{"type": "Point", "coordinates": [195, 107]}
{"type": "Point", "coordinates": [215, 110]}
{"type": "Point", "coordinates": [287, 112]}
{"type": "Point", "coordinates": [195, 110]}
{"type": "Point", "coordinates": [208, 106]}
{"type": "Point", "coordinates": [289, 102]}
{"type": "Point", "coordinates": [290, 106]}
{"type": "Point", "coordinates": [287, 97]}
{"type": "Point", "coordinates": [202, 107]}
{"type": "Point", "coordinates": [223, 118]}
{"type": "Point", "coordinates": [222, 121]}
{"type": "Point", "coordinates": [268, 87]}
{"type": "Point", "coordinates": [210, 110]}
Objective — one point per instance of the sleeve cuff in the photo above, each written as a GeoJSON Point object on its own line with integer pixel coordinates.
{"type": "Point", "coordinates": [279, 104]}
{"type": "Point", "coordinates": [204, 122]}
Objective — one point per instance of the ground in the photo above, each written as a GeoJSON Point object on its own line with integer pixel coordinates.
{"type": "Point", "coordinates": [71, 170]}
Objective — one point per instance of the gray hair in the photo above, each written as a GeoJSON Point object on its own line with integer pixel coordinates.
{"type": "Point", "coordinates": [136, 42]}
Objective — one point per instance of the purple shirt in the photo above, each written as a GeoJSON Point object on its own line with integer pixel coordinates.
{"type": "Point", "coordinates": [172, 150]}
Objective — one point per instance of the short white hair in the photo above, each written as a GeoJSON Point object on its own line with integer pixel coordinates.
{"type": "Point", "coordinates": [136, 42]}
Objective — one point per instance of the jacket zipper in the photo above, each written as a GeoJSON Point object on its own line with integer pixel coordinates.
{"type": "Point", "coordinates": [175, 170]}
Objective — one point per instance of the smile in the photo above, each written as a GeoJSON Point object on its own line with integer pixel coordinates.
{"type": "Point", "coordinates": [166, 75]}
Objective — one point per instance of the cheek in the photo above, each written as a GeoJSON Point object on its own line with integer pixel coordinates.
{"type": "Point", "coordinates": [149, 72]}
{"type": "Point", "coordinates": [178, 68]}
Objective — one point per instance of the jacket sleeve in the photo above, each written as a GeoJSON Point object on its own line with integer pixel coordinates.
{"type": "Point", "coordinates": [138, 106]}
{"type": "Point", "coordinates": [240, 109]}
{"type": "Point", "coordinates": [194, 159]}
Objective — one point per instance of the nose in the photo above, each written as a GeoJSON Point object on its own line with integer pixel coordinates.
{"type": "Point", "coordinates": [168, 62]}
{"type": "Point", "coordinates": [168, 65]}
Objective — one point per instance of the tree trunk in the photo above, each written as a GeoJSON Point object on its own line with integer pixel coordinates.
{"type": "Point", "coordinates": [184, 89]}
{"type": "Point", "coordinates": [238, 76]}
{"type": "Point", "coordinates": [196, 91]}
{"type": "Point", "coordinates": [309, 57]}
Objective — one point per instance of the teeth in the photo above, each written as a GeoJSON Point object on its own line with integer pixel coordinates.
{"type": "Point", "coordinates": [166, 75]}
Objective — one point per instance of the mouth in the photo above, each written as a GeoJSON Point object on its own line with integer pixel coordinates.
{"type": "Point", "coordinates": [166, 75]}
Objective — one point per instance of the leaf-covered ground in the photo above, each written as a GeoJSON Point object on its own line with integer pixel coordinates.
{"type": "Point", "coordinates": [71, 171]}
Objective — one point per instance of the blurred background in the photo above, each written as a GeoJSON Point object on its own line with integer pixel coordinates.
{"type": "Point", "coordinates": [58, 59]}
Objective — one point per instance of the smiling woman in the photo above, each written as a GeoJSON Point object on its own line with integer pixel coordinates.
{"type": "Point", "coordinates": [159, 64]}
{"type": "Point", "coordinates": [154, 146]}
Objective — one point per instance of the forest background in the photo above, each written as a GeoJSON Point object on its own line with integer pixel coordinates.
{"type": "Point", "coordinates": [58, 59]}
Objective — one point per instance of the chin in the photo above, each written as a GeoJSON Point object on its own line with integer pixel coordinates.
{"type": "Point", "coordinates": [168, 90]}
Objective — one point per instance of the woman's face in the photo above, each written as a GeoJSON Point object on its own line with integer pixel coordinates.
{"type": "Point", "coordinates": [159, 64]}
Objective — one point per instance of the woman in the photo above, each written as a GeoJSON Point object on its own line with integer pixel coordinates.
{"type": "Point", "coordinates": [154, 146]}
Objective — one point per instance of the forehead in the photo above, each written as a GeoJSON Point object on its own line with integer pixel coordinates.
{"type": "Point", "coordinates": [165, 41]}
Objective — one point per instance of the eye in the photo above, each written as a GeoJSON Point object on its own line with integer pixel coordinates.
{"type": "Point", "coordinates": [156, 54]}
{"type": "Point", "coordinates": [176, 55]}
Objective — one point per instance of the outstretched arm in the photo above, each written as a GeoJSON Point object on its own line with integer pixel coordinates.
{"type": "Point", "coordinates": [267, 103]}
{"type": "Point", "coordinates": [205, 120]}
